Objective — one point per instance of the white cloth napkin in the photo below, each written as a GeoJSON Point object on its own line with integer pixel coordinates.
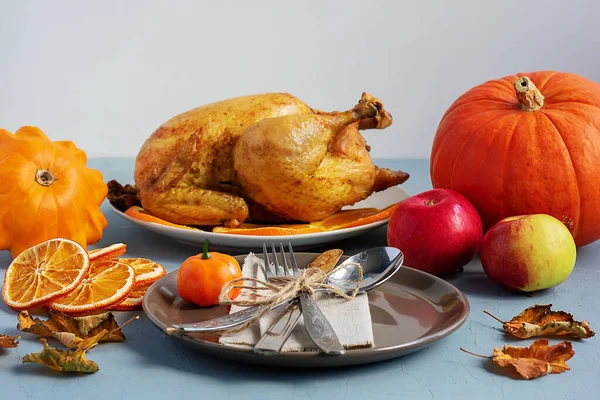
{"type": "Point", "coordinates": [351, 320]}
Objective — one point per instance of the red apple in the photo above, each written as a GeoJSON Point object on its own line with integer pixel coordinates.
{"type": "Point", "coordinates": [439, 231]}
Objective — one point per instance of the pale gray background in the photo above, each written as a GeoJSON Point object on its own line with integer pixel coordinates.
{"type": "Point", "coordinates": [106, 73]}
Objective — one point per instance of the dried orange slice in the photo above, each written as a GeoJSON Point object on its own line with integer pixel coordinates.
{"type": "Point", "coordinates": [134, 299]}
{"type": "Point", "coordinates": [141, 214]}
{"type": "Point", "coordinates": [146, 271]}
{"type": "Point", "coordinates": [107, 283]}
{"type": "Point", "coordinates": [109, 252]}
{"type": "Point", "coordinates": [44, 272]}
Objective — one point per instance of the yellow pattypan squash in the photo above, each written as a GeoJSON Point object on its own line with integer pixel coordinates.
{"type": "Point", "coordinates": [46, 191]}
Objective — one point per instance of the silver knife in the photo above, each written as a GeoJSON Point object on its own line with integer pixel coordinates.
{"type": "Point", "coordinates": [318, 327]}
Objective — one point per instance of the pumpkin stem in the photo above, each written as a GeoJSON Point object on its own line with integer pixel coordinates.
{"type": "Point", "coordinates": [44, 177]}
{"type": "Point", "coordinates": [205, 255]}
{"type": "Point", "coordinates": [530, 98]}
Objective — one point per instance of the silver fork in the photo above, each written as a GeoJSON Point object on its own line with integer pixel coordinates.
{"type": "Point", "coordinates": [287, 271]}
{"type": "Point", "coordinates": [317, 326]}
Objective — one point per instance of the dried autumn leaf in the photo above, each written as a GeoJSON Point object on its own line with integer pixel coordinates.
{"type": "Point", "coordinates": [72, 341]}
{"type": "Point", "coordinates": [539, 320]}
{"type": "Point", "coordinates": [62, 360]}
{"type": "Point", "coordinates": [9, 342]}
{"type": "Point", "coordinates": [91, 341]}
{"type": "Point", "coordinates": [534, 361]}
{"type": "Point", "coordinates": [68, 339]}
{"type": "Point", "coordinates": [81, 327]}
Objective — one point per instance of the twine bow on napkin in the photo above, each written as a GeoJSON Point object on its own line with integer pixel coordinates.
{"type": "Point", "coordinates": [268, 293]}
{"type": "Point", "coordinates": [348, 312]}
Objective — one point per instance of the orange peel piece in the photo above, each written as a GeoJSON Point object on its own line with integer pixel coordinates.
{"type": "Point", "coordinates": [262, 230]}
{"type": "Point", "coordinates": [138, 212]}
{"type": "Point", "coordinates": [352, 218]}
{"type": "Point", "coordinates": [340, 220]}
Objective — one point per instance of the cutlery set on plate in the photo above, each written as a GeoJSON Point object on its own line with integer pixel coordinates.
{"type": "Point", "coordinates": [377, 265]}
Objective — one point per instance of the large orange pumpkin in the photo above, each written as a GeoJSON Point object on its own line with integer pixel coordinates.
{"type": "Point", "coordinates": [46, 191]}
{"type": "Point", "coordinates": [525, 144]}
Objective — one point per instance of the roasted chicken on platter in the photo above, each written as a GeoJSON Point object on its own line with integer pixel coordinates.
{"type": "Point", "coordinates": [260, 158]}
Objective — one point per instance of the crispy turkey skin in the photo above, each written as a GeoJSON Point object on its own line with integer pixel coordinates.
{"type": "Point", "coordinates": [307, 167]}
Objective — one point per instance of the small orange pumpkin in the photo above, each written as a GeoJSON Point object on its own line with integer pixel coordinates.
{"type": "Point", "coordinates": [201, 278]}
{"type": "Point", "coordinates": [525, 144]}
{"type": "Point", "coordinates": [46, 191]}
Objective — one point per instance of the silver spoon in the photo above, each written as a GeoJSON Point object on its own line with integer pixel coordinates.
{"type": "Point", "coordinates": [378, 265]}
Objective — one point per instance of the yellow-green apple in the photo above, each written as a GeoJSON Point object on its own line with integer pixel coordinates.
{"type": "Point", "coordinates": [528, 252]}
{"type": "Point", "coordinates": [439, 231]}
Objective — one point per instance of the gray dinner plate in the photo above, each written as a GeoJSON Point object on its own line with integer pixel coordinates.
{"type": "Point", "coordinates": [409, 312]}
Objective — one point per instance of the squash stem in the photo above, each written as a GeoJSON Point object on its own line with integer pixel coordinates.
{"type": "Point", "coordinates": [205, 255]}
{"type": "Point", "coordinates": [529, 96]}
{"type": "Point", "coordinates": [44, 177]}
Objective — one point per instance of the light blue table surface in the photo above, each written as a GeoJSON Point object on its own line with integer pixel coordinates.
{"type": "Point", "coordinates": [150, 365]}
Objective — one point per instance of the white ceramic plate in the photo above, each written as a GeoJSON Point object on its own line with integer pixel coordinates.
{"type": "Point", "coordinates": [231, 241]}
